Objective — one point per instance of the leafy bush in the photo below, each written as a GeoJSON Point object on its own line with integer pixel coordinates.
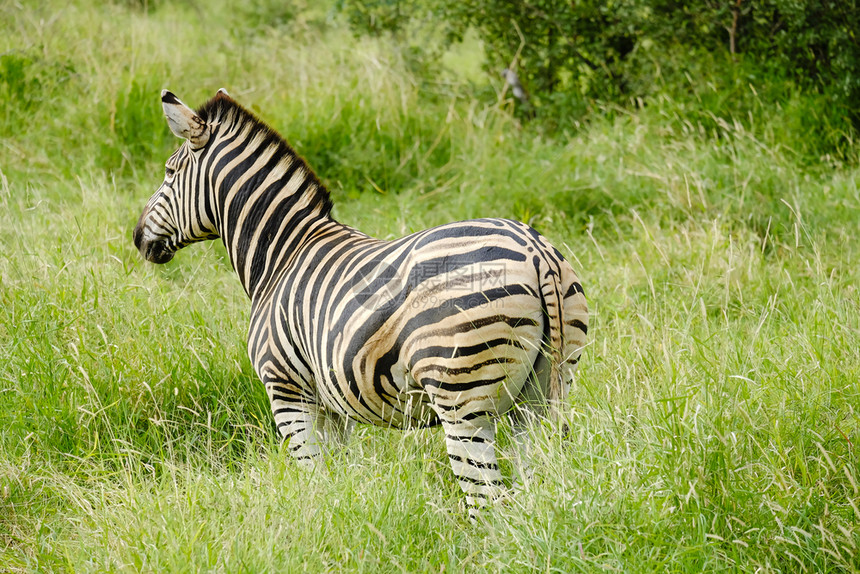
{"type": "Point", "coordinates": [576, 56]}
{"type": "Point", "coordinates": [814, 42]}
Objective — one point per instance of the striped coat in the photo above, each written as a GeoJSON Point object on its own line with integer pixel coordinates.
{"type": "Point", "coordinates": [454, 325]}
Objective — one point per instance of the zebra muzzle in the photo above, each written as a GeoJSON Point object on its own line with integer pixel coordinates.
{"type": "Point", "coordinates": [157, 252]}
{"type": "Point", "coordinates": [153, 250]}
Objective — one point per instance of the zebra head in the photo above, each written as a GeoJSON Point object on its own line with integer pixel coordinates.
{"type": "Point", "coordinates": [176, 215]}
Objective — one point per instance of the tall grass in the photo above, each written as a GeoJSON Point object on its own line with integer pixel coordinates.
{"type": "Point", "coordinates": [714, 424]}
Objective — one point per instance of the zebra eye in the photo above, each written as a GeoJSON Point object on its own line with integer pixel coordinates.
{"type": "Point", "coordinates": [168, 172]}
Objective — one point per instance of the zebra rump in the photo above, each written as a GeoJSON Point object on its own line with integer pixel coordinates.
{"type": "Point", "coordinates": [455, 325]}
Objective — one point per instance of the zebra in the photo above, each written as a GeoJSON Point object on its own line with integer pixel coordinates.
{"type": "Point", "coordinates": [457, 325]}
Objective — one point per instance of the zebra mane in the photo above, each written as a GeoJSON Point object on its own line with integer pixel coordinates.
{"type": "Point", "coordinates": [222, 108]}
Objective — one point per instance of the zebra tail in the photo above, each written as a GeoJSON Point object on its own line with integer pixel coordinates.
{"type": "Point", "coordinates": [552, 300]}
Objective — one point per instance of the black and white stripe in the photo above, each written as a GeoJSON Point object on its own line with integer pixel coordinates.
{"type": "Point", "coordinates": [453, 325]}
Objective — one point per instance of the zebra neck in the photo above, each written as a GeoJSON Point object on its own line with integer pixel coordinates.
{"type": "Point", "coordinates": [267, 216]}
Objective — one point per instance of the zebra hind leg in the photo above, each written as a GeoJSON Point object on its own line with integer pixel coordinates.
{"type": "Point", "coordinates": [525, 418]}
{"type": "Point", "coordinates": [471, 445]}
{"type": "Point", "coordinates": [522, 421]}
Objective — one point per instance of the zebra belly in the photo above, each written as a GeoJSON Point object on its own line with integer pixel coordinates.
{"type": "Point", "coordinates": [400, 404]}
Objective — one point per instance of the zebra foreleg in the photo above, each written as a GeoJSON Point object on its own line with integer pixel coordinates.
{"type": "Point", "coordinates": [298, 423]}
{"type": "Point", "coordinates": [333, 429]}
{"type": "Point", "coordinates": [307, 427]}
{"type": "Point", "coordinates": [309, 430]}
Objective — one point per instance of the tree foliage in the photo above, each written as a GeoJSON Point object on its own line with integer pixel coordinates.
{"type": "Point", "coordinates": [575, 52]}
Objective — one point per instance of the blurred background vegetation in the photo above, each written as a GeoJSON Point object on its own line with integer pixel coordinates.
{"type": "Point", "coordinates": [724, 59]}
{"type": "Point", "coordinates": [783, 75]}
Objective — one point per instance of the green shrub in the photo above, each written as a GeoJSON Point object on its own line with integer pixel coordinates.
{"type": "Point", "coordinates": [576, 57]}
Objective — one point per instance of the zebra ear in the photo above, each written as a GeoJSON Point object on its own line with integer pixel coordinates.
{"type": "Point", "coordinates": [183, 122]}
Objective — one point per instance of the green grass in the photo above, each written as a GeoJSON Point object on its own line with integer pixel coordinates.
{"type": "Point", "coordinates": [715, 422]}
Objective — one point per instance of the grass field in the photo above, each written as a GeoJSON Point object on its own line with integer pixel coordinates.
{"type": "Point", "coordinates": [715, 422]}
